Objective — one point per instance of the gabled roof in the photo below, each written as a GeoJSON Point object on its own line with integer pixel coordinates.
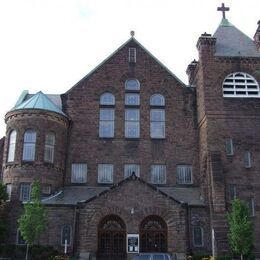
{"type": "Point", "coordinates": [116, 51]}
{"type": "Point", "coordinates": [72, 195]}
{"type": "Point", "coordinates": [36, 101]}
{"type": "Point", "coordinates": [232, 42]}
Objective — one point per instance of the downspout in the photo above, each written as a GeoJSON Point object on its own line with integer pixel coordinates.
{"type": "Point", "coordinates": [188, 232]}
{"type": "Point", "coordinates": [75, 229]}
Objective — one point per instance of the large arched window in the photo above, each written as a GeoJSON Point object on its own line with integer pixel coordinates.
{"type": "Point", "coordinates": [240, 85]}
{"type": "Point", "coordinates": [112, 238]}
{"type": "Point", "coordinates": [157, 116]}
{"type": "Point", "coordinates": [107, 116]}
{"type": "Point", "coordinates": [49, 147]}
{"type": "Point", "coordinates": [29, 142]}
{"type": "Point", "coordinates": [153, 235]}
{"type": "Point", "coordinates": [11, 148]}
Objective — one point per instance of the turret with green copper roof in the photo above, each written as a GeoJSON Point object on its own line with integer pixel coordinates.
{"type": "Point", "coordinates": [37, 101]}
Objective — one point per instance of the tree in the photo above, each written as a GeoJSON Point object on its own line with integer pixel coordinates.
{"type": "Point", "coordinates": [34, 218]}
{"type": "Point", "coordinates": [240, 235]}
{"type": "Point", "coordinates": [3, 194]}
{"type": "Point", "coordinates": [3, 223]}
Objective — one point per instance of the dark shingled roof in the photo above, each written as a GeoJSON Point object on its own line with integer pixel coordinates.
{"type": "Point", "coordinates": [232, 42]}
{"type": "Point", "coordinates": [71, 195]}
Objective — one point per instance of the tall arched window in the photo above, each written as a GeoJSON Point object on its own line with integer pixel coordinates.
{"type": "Point", "coordinates": [66, 235]}
{"type": "Point", "coordinates": [132, 110]}
{"type": "Point", "coordinates": [49, 147]}
{"type": "Point", "coordinates": [240, 85]}
{"type": "Point", "coordinates": [157, 116]}
{"type": "Point", "coordinates": [153, 235]}
{"type": "Point", "coordinates": [11, 148]}
{"type": "Point", "coordinates": [29, 143]}
{"type": "Point", "coordinates": [107, 115]}
{"type": "Point", "coordinates": [111, 238]}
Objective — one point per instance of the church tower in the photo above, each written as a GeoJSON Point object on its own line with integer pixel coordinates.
{"type": "Point", "coordinates": [227, 79]}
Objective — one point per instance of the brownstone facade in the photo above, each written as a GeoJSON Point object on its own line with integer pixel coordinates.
{"type": "Point", "coordinates": [182, 178]}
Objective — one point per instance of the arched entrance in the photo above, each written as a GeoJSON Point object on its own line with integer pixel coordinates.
{"type": "Point", "coordinates": [153, 235]}
{"type": "Point", "coordinates": [111, 238]}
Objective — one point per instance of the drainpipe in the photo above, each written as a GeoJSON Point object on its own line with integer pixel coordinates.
{"type": "Point", "coordinates": [186, 205]}
{"type": "Point", "coordinates": [75, 229]}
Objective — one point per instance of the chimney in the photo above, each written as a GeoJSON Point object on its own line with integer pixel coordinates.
{"type": "Point", "coordinates": [206, 46]}
{"type": "Point", "coordinates": [257, 36]}
{"type": "Point", "coordinates": [191, 70]}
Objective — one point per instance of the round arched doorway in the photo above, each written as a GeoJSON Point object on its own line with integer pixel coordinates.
{"type": "Point", "coordinates": [111, 238]}
{"type": "Point", "coordinates": [153, 235]}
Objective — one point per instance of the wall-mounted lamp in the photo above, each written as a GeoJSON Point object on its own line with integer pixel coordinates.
{"type": "Point", "coordinates": [132, 211]}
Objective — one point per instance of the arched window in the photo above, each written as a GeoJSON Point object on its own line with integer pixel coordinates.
{"type": "Point", "coordinates": [107, 116]}
{"type": "Point", "coordinates": [66, 235]}
{"type": "Point", "coordinates": [112, 238]}
{"type": "Point", "coordinates": [49, 147]}
{"type": "Point", "coordinates": [29, 143]}
{"type": "Point", "coordinates": [198, 236]}
{"type": "Point", "coordinates": [11, 148]}
{"type": "Point", "coordinates": [157, 116]}
{"type": "Point", "coordinates": [132, 84]}
{"type": "Point", "coordinates": [157, 100]}
{"type": "Point", "coordinates": [107, 99]}
{"type": "Point", "coordinates": [240, 85]}
{"type": "Point", "coordinates": [153, 235]}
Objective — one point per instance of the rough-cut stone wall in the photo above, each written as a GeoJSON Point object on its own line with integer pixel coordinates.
{"type": "Point", "coordinates": [58, 217]}
{"type": "Point", "coordinates": [145, 201]}
{"type": "Point", "coordinates": [18, 172]}
{"type": "Point", "coordinates": [82, 105]}
{"type": "Point", "coordinates": [220, 118]}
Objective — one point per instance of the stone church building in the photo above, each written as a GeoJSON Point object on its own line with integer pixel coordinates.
{"type": "Point", "coordinates": [130, 159]}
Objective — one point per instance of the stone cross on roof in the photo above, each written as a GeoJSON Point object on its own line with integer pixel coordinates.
{"type": "Point", "coordinates": [223, 9]}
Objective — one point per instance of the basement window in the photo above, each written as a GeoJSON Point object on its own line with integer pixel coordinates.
{"type": "Point", "coordinates": [240, 85]}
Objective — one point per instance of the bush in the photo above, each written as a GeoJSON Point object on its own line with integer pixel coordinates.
{"type": "Point", "coordinates": [35, 252]}
{"type": "Point", "coordinates": [199, 257]}
{"type": "Point", "coordinates": [227, 257]}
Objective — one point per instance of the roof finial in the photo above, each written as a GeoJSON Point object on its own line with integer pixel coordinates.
{"type": "Point", "coordinates": [132, 33]}
{"type": "Point", "coordinates": [223, 9]}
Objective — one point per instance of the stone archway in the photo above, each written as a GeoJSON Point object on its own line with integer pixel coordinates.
{"type": "Point", "coordinates": [153, 235]}
{"type": "Point", "coordinates": [111, 238]}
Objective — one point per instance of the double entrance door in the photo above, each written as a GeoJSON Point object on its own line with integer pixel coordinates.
{"type": "Point", "coordinates": [112, 237]}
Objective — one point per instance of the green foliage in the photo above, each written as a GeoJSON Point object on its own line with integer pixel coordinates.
{"type": "Point", "coordinates": [224, 257]}
{"type": "Point", "coordinates": [3, 230]}
{"type": "Point", "coordinates": [3, 194]}
{"type": "Point", "coordinates": [17, 252]}
{"type": "Point", "coordinates": [199, 256]}
{"type": "Point", "coordinates": [240, 235]}
{"type": "Point", "coordinates": [34, 219]}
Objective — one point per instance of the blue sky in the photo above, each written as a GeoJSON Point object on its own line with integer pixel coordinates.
{"type": "Point", "coordinates": [49, 45]}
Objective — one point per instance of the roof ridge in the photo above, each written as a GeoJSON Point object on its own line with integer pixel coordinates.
{"type": "Point", "coordinates": [117, 50]}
